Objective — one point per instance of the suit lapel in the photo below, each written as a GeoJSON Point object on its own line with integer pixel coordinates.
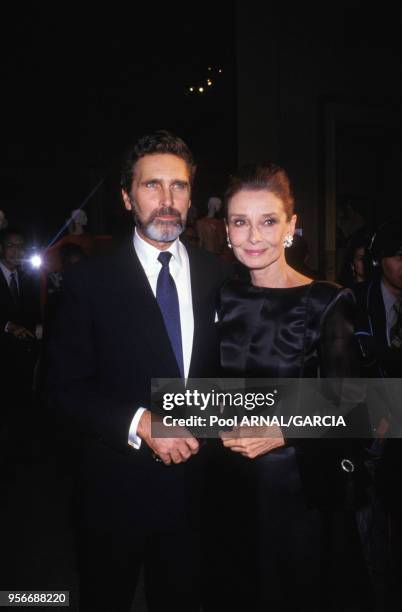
{"type": "Point", "coordinates": [199, 285]}
{"type": "Point", "coordinates": [133, 283]}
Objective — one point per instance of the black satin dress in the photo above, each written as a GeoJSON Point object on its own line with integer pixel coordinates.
{"type": "Point", "coordinates": [304, 331]}
{"type": "Point", "coordinates": [283, 498]}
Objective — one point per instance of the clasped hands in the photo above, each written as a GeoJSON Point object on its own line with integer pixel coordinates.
{"type": "Point", "coordinates": [19, 331]}
{"type": "Point", "coordinates": [169, 449]}
{"type": "Point", "coordinates": [250, 442]}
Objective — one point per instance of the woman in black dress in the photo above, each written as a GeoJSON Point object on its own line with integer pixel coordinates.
{"type": "Point", "coordinates": [281, 324]}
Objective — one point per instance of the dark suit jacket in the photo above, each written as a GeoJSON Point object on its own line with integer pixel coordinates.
{"type": "Point", "coordinates": [381, 362]}
{"type": "Point", "coordinates": [18, 356]}
{"type": "Point", "coordinates": [370, 327]}
{"type": "Point", "coordinates": [26, 313]}
{"type": "Point", "coordinates": [107, 343]}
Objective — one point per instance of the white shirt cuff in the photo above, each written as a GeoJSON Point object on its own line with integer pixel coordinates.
{"type": "Point", "coordinates": [133, 439]}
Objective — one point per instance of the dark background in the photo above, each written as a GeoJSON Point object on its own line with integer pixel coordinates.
{"type": "Point", "coordinates": [315, 89]}
{"type": "Point", "coordinates": [78, 86]}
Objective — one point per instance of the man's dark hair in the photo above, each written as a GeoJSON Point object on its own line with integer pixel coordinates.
{"type": "Point", "coordinates": [10, 231]}
{"type": "Point", "coordinates": [152, 144]}
{"type": "Point", "coordinates": [387, 240]}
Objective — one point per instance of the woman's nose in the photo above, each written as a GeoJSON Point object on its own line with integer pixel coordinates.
{"type": "Point", "coordinates": [254, 235]}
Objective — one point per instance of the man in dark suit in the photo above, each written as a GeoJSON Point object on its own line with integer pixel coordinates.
{"type": "Point", "coordinates": [145, 312]}
{"type": "Point", "coordinates": [19, 299]}
{"type": "Point", "coordinates": [379, 331]}
{"type": "Point", "coordinates": [379, 315]}
{"type": "Point", "coordinates": [19, 317]}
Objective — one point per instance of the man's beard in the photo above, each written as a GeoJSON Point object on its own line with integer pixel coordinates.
{"type": "Point", "coordinates": [159, 230]}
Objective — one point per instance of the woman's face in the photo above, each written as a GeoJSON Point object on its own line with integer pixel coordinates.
{"type": "Point", "coordinates": [257, 226]}
{"type": "Point", "coordinates": [358, 264]}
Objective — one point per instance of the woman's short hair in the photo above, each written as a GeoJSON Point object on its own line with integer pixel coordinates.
{"type": "Point", "coordinates": [257, 177]}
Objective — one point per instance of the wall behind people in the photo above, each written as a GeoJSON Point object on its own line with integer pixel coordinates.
{"type": "Point", "coordinates": [288, 82]}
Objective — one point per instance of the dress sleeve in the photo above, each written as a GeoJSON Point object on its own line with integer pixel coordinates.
{"type": "Point", "coordinates": [338, 350]}
{"type": "Point", "coordinates": [340, 360]}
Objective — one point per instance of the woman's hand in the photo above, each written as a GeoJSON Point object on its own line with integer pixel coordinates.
{"type": "Point", "coordinates": [252, 442]}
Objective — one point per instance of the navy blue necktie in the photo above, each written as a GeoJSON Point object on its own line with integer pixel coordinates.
{"type": "Point", "coordinates": [14, 288]}
{"type": "Point", "coordinates": [168, 300]}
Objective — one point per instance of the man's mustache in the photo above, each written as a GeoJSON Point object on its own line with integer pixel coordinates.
{"type": "Point", "coordinates": [165, 210]}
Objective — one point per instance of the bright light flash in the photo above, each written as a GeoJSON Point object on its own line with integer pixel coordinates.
{"type": "Point", "coordinates": [36, 261]}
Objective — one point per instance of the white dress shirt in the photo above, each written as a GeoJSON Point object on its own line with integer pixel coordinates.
{"type": "Point", "coordinates": [180, 270]}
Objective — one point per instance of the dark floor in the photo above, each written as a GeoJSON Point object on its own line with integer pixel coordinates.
{"type": "Point", "coordinates": [36, 542]}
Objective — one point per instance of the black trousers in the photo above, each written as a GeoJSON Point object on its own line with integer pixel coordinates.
{"type": "Point", "coordinates": [109, 568]}
{"type": "Point", "coordinates": [117, 533]}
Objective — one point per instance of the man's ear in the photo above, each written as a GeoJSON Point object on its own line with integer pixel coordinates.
{"type": "Point", "coordinates": [126, 199]}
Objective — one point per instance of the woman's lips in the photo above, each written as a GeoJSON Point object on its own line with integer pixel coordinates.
{"type": "Point", "coordinates": [254, 252]}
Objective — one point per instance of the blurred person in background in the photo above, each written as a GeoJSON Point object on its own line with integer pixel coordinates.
{"type": "Point", "coordinates": [356, 266]}
{"type": "Point", "coordinates": [3, 220]}
{"type": "Point", "coordinates": [19, 346]}
{"type": "Point", "coordinates": [211, 228]}
{"type": "Point", "coordinates": [378, 328]}
{"type": "Point", "coordinates": [379, 303]}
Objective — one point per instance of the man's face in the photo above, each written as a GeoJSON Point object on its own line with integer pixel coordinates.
{"type": "Point", "coordinates": [392, 272]}
{"type": "Point", "coordinates": [159, 198]}
{"type": "Point", "coordinates": [12, 251]}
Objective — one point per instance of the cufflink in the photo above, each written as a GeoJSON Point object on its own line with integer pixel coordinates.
{"type": "Point", "coordinates": [347, 466]}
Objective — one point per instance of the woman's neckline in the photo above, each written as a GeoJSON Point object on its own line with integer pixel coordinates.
{"type": "Point", "coordinates": [283, 288]}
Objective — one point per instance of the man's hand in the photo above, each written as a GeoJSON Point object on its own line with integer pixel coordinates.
{"type": "Point", "coordinates": [19, 332]}
{"type": "Point", "coordinates": [176, 450]}
{"type": "Point", "coordinates": [241, 440]}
